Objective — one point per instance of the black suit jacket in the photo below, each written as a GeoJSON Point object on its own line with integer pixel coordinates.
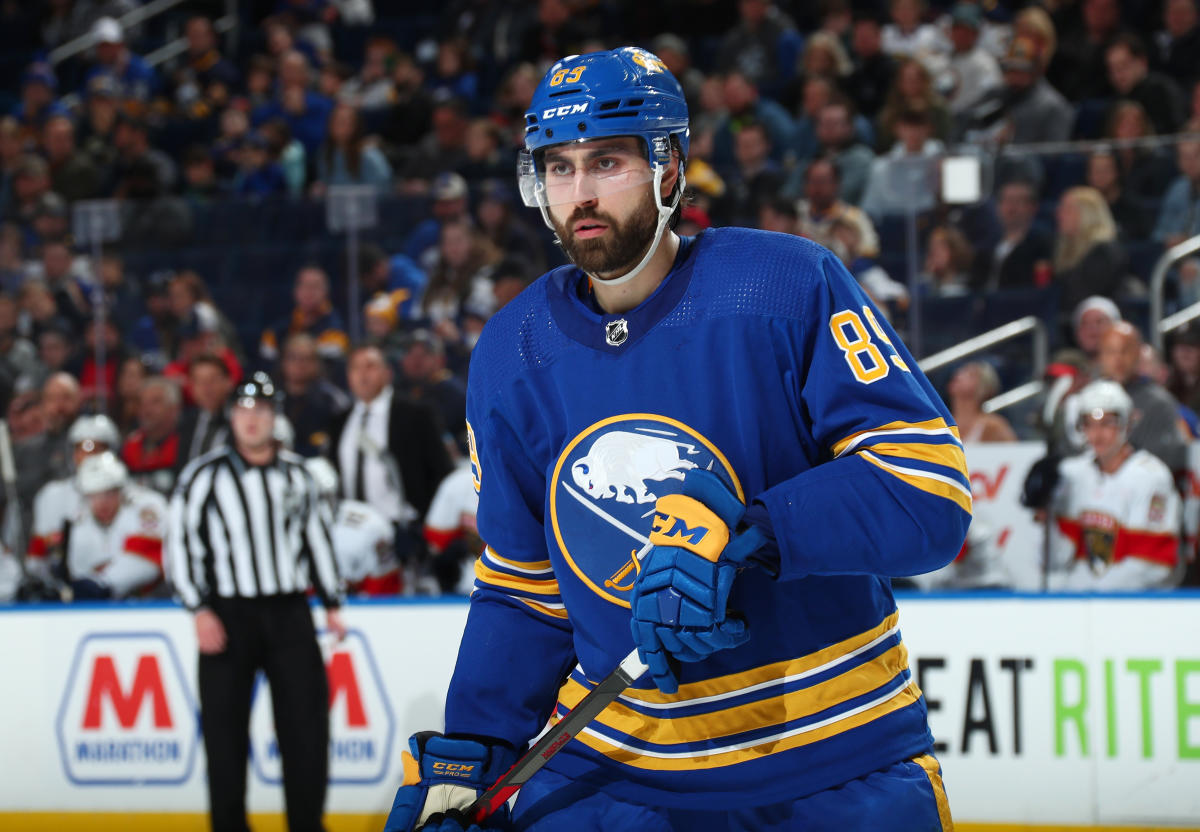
{"type": "Point", "coordinates": [415, 439]}
{"type": "Point", "coordinates": [1016, 272]}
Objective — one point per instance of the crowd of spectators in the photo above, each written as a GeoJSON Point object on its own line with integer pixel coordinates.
{"type": "Point", "coordinates": [827, 120]}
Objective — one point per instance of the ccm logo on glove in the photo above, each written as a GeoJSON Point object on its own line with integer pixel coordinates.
{"type": "Point", "coordinates": [453, 769]}
{"type": "Point", "coordinates": [689, 524]}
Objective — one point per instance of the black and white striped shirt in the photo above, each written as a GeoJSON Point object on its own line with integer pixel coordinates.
{"type": "Point", "coordinates": [243, 531]}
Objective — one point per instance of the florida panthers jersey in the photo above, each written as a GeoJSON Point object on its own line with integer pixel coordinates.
{"type": "Point", "coordinates": [56, 502]}
{"type": "Point", "coordinates": [363, 543]}
{"type": "Point", "coordinates": [758, 358]}
{"type": "Point", "coordinates": [1120, 530]}
{"type": "Point", "coordinates": [125, 555]}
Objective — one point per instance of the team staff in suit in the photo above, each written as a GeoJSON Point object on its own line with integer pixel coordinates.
{"type": "Point", "coordinates": [248, 536]}
{"type": "Point", "coordinates": [389, 451]}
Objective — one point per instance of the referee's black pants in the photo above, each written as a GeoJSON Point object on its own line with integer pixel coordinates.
{"type": "Point", "coordinates": [275, 634]}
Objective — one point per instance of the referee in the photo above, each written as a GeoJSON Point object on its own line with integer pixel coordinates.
{"type": "Point", "coordinates": [247, 533]}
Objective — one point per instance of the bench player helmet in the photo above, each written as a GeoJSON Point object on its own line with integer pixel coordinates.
{"type": "Point", "coordinates": [1103, 397]}
{"type": "Point", "coordinates": [622, 92]}
{"type": "Point", "coordinates": [101, 472]}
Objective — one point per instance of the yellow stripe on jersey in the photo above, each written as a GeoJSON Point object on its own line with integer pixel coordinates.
{"type": "Point", "coordinates": [491, 577]}
{"type": "Point", "coordinates": [555, 612]}
{"type": "Point", "coordinates": [777, 710]}
{"type": "Point", "coordinates": [951, 456]}
{"type": "Point", "coordinates": [734, 683]}
{"type": "Point", "coordinates": [931, 483]}
{"type": "Point", "coordinates": [784, 741]}
{"type": "Point", "coordinates": [928, 427]}
{"type": "Point", "coordinates": [934, 772]}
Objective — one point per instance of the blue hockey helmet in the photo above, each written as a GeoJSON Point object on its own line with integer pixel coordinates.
{"type": "Point", "coordinates": [622, 92]}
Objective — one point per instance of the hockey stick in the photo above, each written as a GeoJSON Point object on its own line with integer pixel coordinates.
{"type": "Point", "coordinates": [627, 672]}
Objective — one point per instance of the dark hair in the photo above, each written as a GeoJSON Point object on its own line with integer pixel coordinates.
{"type": "Point", "coordinates": [353, 149]}
{"type": "Point", "coordinates": [914, 117]}
{"type": "Point", "coordinates": [825, 160]}
{"type": "Point", "coordinates": [212, 361]}
{"type": "Point", "coordinates": [1133, 43]}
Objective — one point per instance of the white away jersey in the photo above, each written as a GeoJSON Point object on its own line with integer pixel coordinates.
{"type": "Point", "coordinates": [1128, 519]}
{"type": "Point", "coordinates": [126, 555]}
{"type": "Point", "coordinates": [362, 543]}
{"type": "Point", "coordinates": [56, 502]}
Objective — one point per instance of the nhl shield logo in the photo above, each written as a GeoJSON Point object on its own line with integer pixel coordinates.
{"type": "Point", "coordinates": [616, 332]}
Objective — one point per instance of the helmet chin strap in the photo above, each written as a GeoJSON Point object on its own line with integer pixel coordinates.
{"type": "Point", "coordinates": [664, 216]}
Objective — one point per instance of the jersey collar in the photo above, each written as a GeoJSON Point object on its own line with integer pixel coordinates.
{"type": "Point", "coordinates": [575, 311]}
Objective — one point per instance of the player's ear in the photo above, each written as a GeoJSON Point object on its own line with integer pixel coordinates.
{"type": "Point", "coordinates": [670, 176]}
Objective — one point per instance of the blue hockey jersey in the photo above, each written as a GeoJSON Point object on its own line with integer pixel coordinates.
{"type": "Point", "coordinates": [759, 358]}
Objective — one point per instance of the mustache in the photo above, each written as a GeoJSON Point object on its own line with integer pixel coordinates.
{"type": "Point", "coordinates": [588, 214]}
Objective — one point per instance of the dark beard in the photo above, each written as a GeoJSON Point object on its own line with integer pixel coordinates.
{"type": "Point", "coordinates": [616, 254]}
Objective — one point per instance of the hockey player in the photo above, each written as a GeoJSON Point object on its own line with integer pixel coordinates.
{"type": "Point", "coordinates": [59, 500]}
{"type": "Point", "coordinates": [1117, 510]}
{"type": "Point", "coordinates": [114, 540]}
{"type": "Point", "coordinates": [714, 448]}
{"type": "Point", "coordinates": [362, 537]}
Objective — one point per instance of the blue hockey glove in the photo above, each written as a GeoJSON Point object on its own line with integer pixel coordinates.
{"type": "Point", "coordinates": [679, 597]}
{"type": "Point", "coordinates": [442, 775]}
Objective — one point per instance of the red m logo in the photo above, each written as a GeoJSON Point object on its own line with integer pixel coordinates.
{"type": "Point", "coordinates": [343, 680]}
{"type": "Point", "coordinates": [147, 681]}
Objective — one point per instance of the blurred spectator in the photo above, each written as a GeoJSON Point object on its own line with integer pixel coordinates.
{"type": "Point", "coordinates": [1130, 75]}
{"type": "Point", "coordinates": [124, 404]}
{"type": "Point", "coordinates": [755, 178]}
{"type": "Point", "coordinates": [204, 426]}
{"type": "Point", "coordinates": [744, 104]}
{"type": "Point", "coordinates": [38, 311]}
{"type": "Point", "coordinates": [676, 54]}
{"type": "Point", "coordinates": [260, 81]}
{"type": "Point", "coordinates": [825, 56]}
{"type": "Point", "coordinates": [310, 402]}
{"type": "Point", "coordinates": [190, 301]}
{"type": "Point", "coordinates": [424, 377]}
{"type": "Point", "coordinates": [347, 158]}
{"type": "Point", "coordinates": [12, 147]}
{"type": "Point", "coordinates": [30, 181]}
{"type": "Point", "coordinates": [1087, 258]}
{"type": "Point", "coordinates": [18, 357]}
{"type": "Point", "coordinates": [778, 215]}
{"type": "Point", "coordinates": [49, 456]}
{"type": "Point", "coordinates": [912, 91]}
{"type": "Point", "coordinates": [39, 85]}
{"type": "Point", "coordinates": [100, 380]}
{"type": "Point", "coordinates": [1078, 69]}
{"type": "Point", "coordinates": [1023, 249]}
{"type": "Point", "coordinates": [1183, 378]}
{"type": "Point", "coordinates": [948, 259]}
{"type": "Point", "coordinates": [1179, 214]}
{"type": "Point", "coordinates": [312, 313]}
{"type": "Point", "coordinates": [259, 176]}
{"type": "Point", "coordinates": [199, 186]}
{"type": "Point", "coordinates": [305, 111]}
{"type": "Point", "coordinates": [149, 216]}
{"type": "Point", "coordinates": [449, 194]}
{"type": "Point", "coordinates": [971, 385]}
{"type": "Point", "coordinates": [371, 88]}
{"type": "Point", "coordinates": [875, 281]}
{"type": "Point", "coordinates": [199, 334]}
{"type": "Point", "coordinates": [443, 148]}
{"type": "Point", "coordinates": [1157, 428]}
{"type": "Point", "coordinates": [817, 91]}
{"type": "Point", "coordinates": [287, 153]}
{"type": "Point", "coordinates": [12, 266]}
{"type": "Point", "coordinates": [905, 179]}
{"type": "Point", "coordinates": [974, 72]}
{"type": "Point", "coordinates": [453, 71]}
{"type": "Point", "coordinates": [496, 212]}
{"type": "Point", "coordinates": [68, 279]}
{"type": "Point", "coordinates": [837, 141]}
{"type": "Point", "coordinates": [1033, 110]}
{"type": "Point", "coordinates": [154, 333]}
{"type": "Point", "coordinates": [65, 21]}
{"type": "Point", "coordinates": [233, 128]}
{"type": "Point", "coordinates": [907, 36]}
{"type": "Point", "coordinates": [131, 138]}
{"type": "Point", "coordinates": [557, 29]}
{"type": "Point", "coordinates": [763, 46]}
{"type": "Point", "coordinates": [1104, 175]}
{"type": "Point", "coordinates": [1146, 171]}
{"type": "Point", "coordinates": [1178, 43]}
{"type": "Point", "coordinates": [137, 83]}
{"type": "Point", "coordinates": [56, 350]}
{"type": "Point", "coordinates": [874, 69]}
{"type": "Point", "coordinates": [116, 541]}
{"type": "Point", "coordinates": [152, 451]}
{"type": "Point", "coordinates": [821, 207]}
{"type": "Point", "coordinates": [97, 130]}
{"type": "Point", "coordinates": [202, 64]}
{"type": "Point", "coordinates": [59, 499]}
{"type": "Point", "coordinates": [460, 276]}
{"type": "Point", "coordinates": [50, 220]}
{"type": "Point", "coordinates": [410, 106]}
{"type": "Point", "coordinates": [397, 277]}
{"type": "Point", "coordinates": [487, 155]}
{"type": "Point", "coordinates": [388, 450]}
{"type": "Point", "coordinates": [73, 174]}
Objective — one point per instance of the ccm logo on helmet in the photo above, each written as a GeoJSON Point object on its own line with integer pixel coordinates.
{"type": "Point", "coordinates": [564, 110]}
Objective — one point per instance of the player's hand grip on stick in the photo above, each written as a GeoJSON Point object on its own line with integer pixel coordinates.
{"type": "Point", "coordinates": [682, 588]}
{"type": "Point", "coordinates": [442, 777]}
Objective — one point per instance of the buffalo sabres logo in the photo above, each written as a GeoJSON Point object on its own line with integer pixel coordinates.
{"type": "Point", "coordinates": [615, 332]}
{"type": "Point", "coordinates": [647, 61]}
{"type": "Point", "coordinates": [606, 485]}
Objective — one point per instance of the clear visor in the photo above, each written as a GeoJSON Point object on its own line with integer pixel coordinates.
{"type": "Point", "coordinates": [579, 172]}
{"type": "Point", "coordinates": [1100, 417]}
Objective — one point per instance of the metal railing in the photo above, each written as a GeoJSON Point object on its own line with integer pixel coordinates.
{"type": "Point", "coordinates": [1158, 280]}
{"type": "Point", "coordinates": [132, 18]}
{"type": "Point", "coordinates": [1029, 325]}
{"type": "Point", "coordinates": [178, 46]}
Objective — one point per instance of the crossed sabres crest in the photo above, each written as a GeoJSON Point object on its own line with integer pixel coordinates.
{"type": "Point", "coordinates": [621, 467]}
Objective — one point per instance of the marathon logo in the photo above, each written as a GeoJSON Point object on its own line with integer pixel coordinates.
{"type": "Point", "coordinates": [361, 724]}
{"type": "Point", "coordinates": [127, 716]}
{"type": "Point", "coordinates": [564, 110]}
